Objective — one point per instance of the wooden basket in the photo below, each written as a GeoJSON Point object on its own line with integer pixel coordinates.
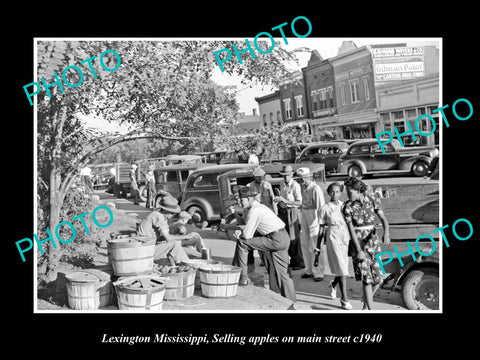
{"type": "Point", "coordinates": [198, 263]}
{"type": "Point", "coordinates": [219, 281]}
{"type": "Point", "coordinates": [132, 255]}
{"type": "Point", "coordinates": [181, 285]}
{"type": "Point", "coordinates": [89, 290]}
{"type": "Point", "coordinates": [142, 292]}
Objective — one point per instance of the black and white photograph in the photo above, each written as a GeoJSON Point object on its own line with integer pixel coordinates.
{"type": "Point", "coordinates": [233, 187]}
{"type": "Point", "coordinates": [170, 178]}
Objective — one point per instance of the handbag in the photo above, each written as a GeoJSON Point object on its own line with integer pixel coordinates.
{"type": "Point", "coordinates": [352, 251]}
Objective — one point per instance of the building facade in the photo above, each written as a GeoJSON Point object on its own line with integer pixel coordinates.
{"type": "Point", "coordinates": [403, 101]}
{"type": "Point", "coordinates": [320, 96]}
{"type": "Point", "coordinates": [292, 101]}
{"type": "Point", "coordinates": [270, 110]}
{"type": "Point", "coordinates": [355, 93]}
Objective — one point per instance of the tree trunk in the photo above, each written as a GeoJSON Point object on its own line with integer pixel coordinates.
{"type": "Point", "coordinates": [55, 205]}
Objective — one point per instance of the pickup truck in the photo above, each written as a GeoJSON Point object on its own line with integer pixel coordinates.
{"type": "Point", "coordinates": [365, 157]}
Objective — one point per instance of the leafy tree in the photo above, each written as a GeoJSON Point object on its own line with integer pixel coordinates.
{"type": "Point", "coordinates": [161, 89]}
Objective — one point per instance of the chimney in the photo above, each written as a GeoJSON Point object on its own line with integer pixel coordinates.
{"type": "Point", "coordinates": [254, 112]}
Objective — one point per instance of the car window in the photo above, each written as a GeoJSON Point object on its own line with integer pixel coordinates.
{"type": "Point", "coordinates": [172, 176]}
{"type": "Point", "coordinates": [184, 174]}
{"type": "Point", "coordinates": [376, 148]}
{"type": "Point", "coordinates": [206, 180]}
{"type": "Point", "coordinates": [360, 149]}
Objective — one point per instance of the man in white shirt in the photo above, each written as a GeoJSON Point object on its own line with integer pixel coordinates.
{"type": "Point", "coordinates": [312, 201]}
{"type": "Point", "coordinates": [86, 174]}
{"type": "Point", "coordinates": [274, 241]}
{"type": "Point", "coordinates": [289, 202]}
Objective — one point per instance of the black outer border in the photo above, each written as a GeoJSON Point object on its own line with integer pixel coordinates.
{"type": "Point", "coordinates": [410, 333]}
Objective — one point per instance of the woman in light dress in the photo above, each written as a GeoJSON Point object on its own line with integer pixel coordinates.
{"type": "Point", "coordinates": [337, 239]}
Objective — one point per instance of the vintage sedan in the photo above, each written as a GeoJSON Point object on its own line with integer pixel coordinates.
{"type": "Point", "coordinates": [326, 153]}
{"type": "Point", "coordinates": [365, 157]}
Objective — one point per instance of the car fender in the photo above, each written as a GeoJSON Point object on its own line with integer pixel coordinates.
{"type": "Point", "coordinates": [206, 206]}
{"type": "Point", "coordinates": [359, 163]}
{"type": "Point", "coordinates": [408, 163]}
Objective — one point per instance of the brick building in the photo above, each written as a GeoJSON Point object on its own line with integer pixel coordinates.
{"type": "Point", "coordinates": [354, 92]}
{"type": "Point", "coordinates": [320, 90]}
{"type": "Point", "coordinates": [403, 101]}
{"type": "Point", "coordinates": [270, 109]}
{"type": "Point", "coordinates": [293, 101]}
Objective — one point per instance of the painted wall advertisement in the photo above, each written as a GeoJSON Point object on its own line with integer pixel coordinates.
{"type": "Point", "coordinates": [397, 63]}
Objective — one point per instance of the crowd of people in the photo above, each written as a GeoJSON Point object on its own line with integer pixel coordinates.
{"type": "Point", "coordinates": [297, 229]}
{"type": "Point", "coordinates": [292, 229]}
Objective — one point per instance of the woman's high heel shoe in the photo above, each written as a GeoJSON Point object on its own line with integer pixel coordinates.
{"type": "Point", "coordinates": [333, 291]}
{"type": "Point", "coordinates": [346, 305]}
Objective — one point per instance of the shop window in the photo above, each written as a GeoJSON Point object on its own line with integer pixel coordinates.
{"type": "Point", "coordinates": [388, 126]}
{"type": "Point", "coordinates": [330, 96]}
{"type": "Point", "coordinates": [430, 109]}
{"type": "Point", "coordinates": [354, 93]}
{"type": "Point", "coordinates": [323, 99]}
{"type": "Point", "coordinates": [385, 116]}
{"type": "Point", "coordinates": [421, 111]}
{"type": "Point", "coordinates": [411, 113]}
{"type": "Point", "coordinates": [314, 100]}
{"type": "Point", "coordinates": [397, 115]}
{"type": "Point", "coordinates": [400, 125]}
{"type": "Point", "coordinates": [424, 125]}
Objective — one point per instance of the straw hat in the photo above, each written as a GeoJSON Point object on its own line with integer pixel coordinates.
{"type": "Point", "coordinates": [304, 172]}
{"type": "Point", "coordinates": [170, 204]}
{"type": "Point", "coordinates": [286, 170]}
{"type": "Point", "coordinates": [258, 172]}
{"type": "Point", "coordinates": [245, 192]}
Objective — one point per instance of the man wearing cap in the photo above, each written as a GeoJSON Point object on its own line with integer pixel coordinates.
{"type": "Point", "coordinates": [289, 201]}
{"type": "Point", "coordinates": [156, 225]}
{"type": "Point", "coordinates": [273, 240]}
{"type": "Point", "coordinates": [312, 201]}
{"type": "Point", "coordinates": [134, 191]}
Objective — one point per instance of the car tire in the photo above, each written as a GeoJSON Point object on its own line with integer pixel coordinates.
{"type": "Point", "coordinates": [420, 168]}
{"type": "Point", "coordinates": [197, 210]}
{"type": "Point", "coordinates": [143, 192]}
{"type": "Point", "coordinates": [420, 289]}
{"type": "Point", "coordinates": [355, 171]}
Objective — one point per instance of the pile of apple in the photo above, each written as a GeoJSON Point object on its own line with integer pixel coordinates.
{"type": "Point", "coordinates": [164, 270]}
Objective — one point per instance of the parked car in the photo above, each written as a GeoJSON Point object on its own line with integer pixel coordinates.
{"type": "Point", "coordinates": [365, 157]}
{"type": "Point", "coordinates": [324, 153]}
{"type": "Point", "coordinates": [201, 195]}
{"type": "Point", "coordinates": [206, 187]}
{"type": "Point", "coordinates": [419, 280]}
{"type": "Point", "coordinates": [212, 157]}
{"type": "Point", "coordinates": [233, 157]}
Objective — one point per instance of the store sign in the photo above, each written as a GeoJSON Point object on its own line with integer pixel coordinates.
{"type": "Point", "coordinates": [398, 63]}
{"type": "Point", "coordinates": [354, 72]}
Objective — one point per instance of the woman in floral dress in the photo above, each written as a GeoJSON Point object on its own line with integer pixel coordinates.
{"type": "Point", "coordinates": [359, 213]}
